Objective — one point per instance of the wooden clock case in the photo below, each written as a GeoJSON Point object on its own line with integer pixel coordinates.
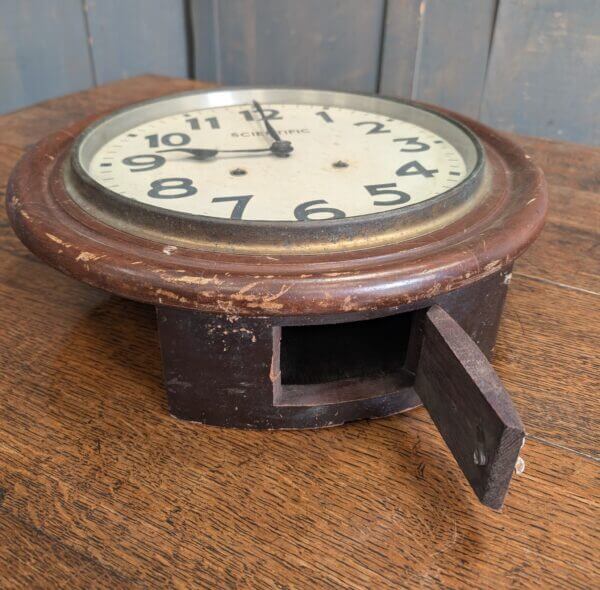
{"type": "Point", "coordinates": [287, 340]}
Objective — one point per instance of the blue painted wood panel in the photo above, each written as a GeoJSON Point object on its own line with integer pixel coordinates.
{"type": "Point", "coordinates": [131, 37]}
{"type": "Point", "coordinates": [544, 73]}
{"type": "Point", "coordinates": [453, 52]}
{"type": "Point", "coordinates": [205, 26]}
{"type": "Point", "coordinates": [400, 47]}
{"type": "Point", "coordinates": [531, 66]}
{"type": "Point", "coordinates": [43, 51]}
{"type": "Point", "coordinates": [318, 43]}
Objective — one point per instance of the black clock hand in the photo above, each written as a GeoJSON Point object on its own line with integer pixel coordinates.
{"type": "Point", "coordinates": [207, 154]}
{"type": "Point", "coordinates": [279, 147]}
{"type": "Point", "coordinates": [270, 130]}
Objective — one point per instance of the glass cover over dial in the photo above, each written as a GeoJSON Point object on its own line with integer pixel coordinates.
{"type": "Point", "coordinates": [274, 156]}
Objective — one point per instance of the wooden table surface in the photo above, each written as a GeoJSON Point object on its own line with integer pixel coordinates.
{"type": "Point", "coordinates": [101, 488]}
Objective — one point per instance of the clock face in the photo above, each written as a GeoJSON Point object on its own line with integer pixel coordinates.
{"type": "Point", "coordinates": [335, 160]}
{"type": "Point", "coordinates": [345, 163]}
{"type": "Point", "coordinates": [266, 170]}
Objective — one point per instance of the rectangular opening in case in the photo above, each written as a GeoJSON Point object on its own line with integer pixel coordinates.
{"type": "Point", "coordinates": [332, 363]}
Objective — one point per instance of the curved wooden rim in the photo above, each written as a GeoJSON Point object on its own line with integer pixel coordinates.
{"type": "Point", "coordinates": [487, 239]}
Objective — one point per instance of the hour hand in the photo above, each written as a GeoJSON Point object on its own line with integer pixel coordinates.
{"type": "Point", "coordinates": [197, 153]}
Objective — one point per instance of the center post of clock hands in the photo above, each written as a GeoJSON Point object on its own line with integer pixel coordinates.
{"type": "Point", "coordinates": [279, 147]}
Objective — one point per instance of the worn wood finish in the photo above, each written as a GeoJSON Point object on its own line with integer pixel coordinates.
{"type": "Point", "coordinates": [101, 488]}
{"type": "Point", "coordinates": [503, 223]}
{"type": "Point", "coordinates": [227, 370]}
{"type": "Point", "coordinates": [469, 405]}
{"type": "Point", "coordinates": [544, 53]}
{"type": "Point", "coordinates": [135, 37]}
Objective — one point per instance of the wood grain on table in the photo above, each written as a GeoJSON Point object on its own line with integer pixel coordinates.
{"type": "Point", "coordinates": [101, 488]}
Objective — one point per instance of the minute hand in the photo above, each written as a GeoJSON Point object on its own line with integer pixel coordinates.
{"type": "Point", "coordinates": [278, 147]}
{"type": "Point", "coordinates": [207, 154]}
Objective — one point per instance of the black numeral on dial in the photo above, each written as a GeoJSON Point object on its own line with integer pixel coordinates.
{"type": "Point", "coordinates": [413, 144]}
{"type": "Point", "coordinates": [143, 162]}
{"type": "Point", "coordinates": [387, 189]}
{"type": "Point", "coordinates": [240, 204]}
{"type": "Point", "coordinates": [375, 127]}
{"type": "Point", "coordinates": [413, 168]}
{"type": "Point", "coordinates": [170, 139]}
{"type": "Point", "coordinates": [172, 188]}
{"type": "Point", "coordinates": [270, 114]}
{"type": "Point", "coordinates": [307, 211]}
{"type": "Point", "coordinates": [194, 123]}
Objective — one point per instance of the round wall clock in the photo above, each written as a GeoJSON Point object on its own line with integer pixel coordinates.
{"type": "Point", "coordinates": [314, 257]}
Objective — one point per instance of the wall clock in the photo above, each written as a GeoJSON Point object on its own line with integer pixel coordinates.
{"type": "Point", "coordinates": [314, 257]}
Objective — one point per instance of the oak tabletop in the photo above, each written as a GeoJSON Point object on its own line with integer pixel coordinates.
{"type": "Point", "coordinates": [101, 488]}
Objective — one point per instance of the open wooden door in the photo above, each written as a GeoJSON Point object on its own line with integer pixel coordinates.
{"type": "Point", "coordinates": [469, 405]}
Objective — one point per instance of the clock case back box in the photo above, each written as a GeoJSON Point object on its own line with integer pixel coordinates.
{"type": "Point", "coordinates": [297, 341]}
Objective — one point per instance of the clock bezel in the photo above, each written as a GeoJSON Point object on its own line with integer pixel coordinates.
{"type": "Point", "coordinates": [337, 285]}
{"type": "Point", "coordinates": [250, 236]}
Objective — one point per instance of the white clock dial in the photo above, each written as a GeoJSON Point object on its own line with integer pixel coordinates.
{"type": "Point", "coordinates": [344, 163]}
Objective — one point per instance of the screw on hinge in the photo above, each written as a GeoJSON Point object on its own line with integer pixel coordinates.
{"type": "Point", "coordinates": [479, 457]}
{"type": "Point", "coordinates": [520, 464]}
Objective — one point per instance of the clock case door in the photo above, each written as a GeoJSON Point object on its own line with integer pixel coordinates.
{"type": "Point", "coordinates": [469, 406]}
{"type": "Point", "coordinates": [308, 372]}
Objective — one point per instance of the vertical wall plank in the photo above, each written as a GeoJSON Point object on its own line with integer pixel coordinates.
{"type": "Point", "coordinates": [320, 43]}
{"type": "Point", "coordinates": [43, 51]}
{"type": "Point", "coordinates": [453, 53]}
{"type": "Point", "coordinates": [137, 37]}
{"type": "Point", "coordinates": [544, 73]}
{"type": "Point", "coordinates": [400, 47]}
{"type": "Point", "coordinates": [204, 25]}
